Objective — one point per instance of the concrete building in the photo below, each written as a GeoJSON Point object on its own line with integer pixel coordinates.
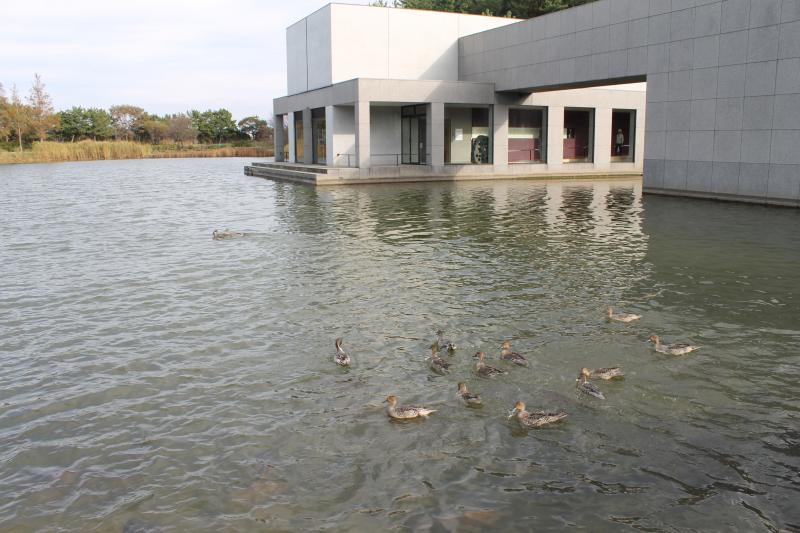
{"type": "Point", "coordinates": [387, 94]}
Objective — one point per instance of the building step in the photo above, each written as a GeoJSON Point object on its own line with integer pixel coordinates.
{"type": "Point", "coordinates": [314, 169]}
{"type": "Point", "coordinates": [279, 173]}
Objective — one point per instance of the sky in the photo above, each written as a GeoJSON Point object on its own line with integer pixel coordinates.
{"type": "Point", "coordinates": [167, 56]}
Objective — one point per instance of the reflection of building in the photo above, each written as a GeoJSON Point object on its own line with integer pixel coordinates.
{"type": "Point", "coordinates": [379, 93]}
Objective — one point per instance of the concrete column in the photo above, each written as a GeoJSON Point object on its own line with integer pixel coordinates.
{"type": "Point", "coordinates": [638, 149]}
{"type": "Point", "coordinates": [292, 137]}
{"type": "Point", "coordinates": [555, 137]}
{"type": "Point", "coordinates": [308, 148]}
{"type": "Point", "coordinates": [277, 128]}
{"type": "Point", "coordinates": [362, 122]}
{"type": "Point", "coordinates": [330, 148]}
{"type": "Point", "coordinates": [435, 133]}
{"type": "Point", "coordinates": [602, 138]}
{"type": "Point", "coordinates": [500, 153]}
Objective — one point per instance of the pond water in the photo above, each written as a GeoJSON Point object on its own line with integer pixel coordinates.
{"type": "Point", "coordinates": [153, 379]}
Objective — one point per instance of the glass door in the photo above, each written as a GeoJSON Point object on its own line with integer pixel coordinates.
{"type": "Point", "coordinates": [413, 135]}
{"type": "Point", "coordinates": [318, 135]}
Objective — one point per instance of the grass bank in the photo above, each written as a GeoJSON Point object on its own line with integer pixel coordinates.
{"type": "Point", "coordinates": [55, 152]}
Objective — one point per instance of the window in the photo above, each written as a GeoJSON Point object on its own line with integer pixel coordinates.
{"type": "Point", "coordinates": [578, 135]}
{"type": "Point", "coordinates": [467, 134]}
{"type": "Point", "coordinates": [526, 136]}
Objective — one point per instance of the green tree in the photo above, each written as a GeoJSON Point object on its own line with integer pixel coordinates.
{"type": "Point", "coordinates": [505, 8]}
{"type": "Point", "coordinates": [100, 124]}
{"type": "Point", "coordinates": [214, 125]}
{"type": "Point", "coordinates": [42, 116]}
{"type": "Point", "coordinates": [74, 124]}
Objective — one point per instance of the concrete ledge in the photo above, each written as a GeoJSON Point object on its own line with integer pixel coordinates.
{"type": "Point", "coordinates": [424, 174]}
{"type": "Point", "coordinates": [762, 200]}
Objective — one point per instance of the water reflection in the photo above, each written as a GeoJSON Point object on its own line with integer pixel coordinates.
{"type": "Point", "coordinates": [175, 382]}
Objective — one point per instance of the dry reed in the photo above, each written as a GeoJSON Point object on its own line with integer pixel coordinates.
{"type": "Point", "coordinates": [52, 152]}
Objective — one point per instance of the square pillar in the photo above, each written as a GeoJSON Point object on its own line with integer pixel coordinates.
{"type": "Point", "coordinates": [555, 137]}
{"type": "Point", "coordinates": [277, 137]}
{"type": "Point", "coordinates": [602, 138]}
{"type": "Point", "coordinates": [500, 146]}
{"type": "Point", "coordinates": [330, 149]}
{"type": "Point", "coordinates": [362, 134]}
{"type": "Point", "coordinates": [308, 149]}
{"type": "Point", "coordinates": [292, 136]}
{"type": "Point", "coordinates": [434, 126]}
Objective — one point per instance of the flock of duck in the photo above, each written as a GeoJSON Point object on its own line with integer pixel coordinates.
{"type": "Point", "coordinates": [527, 419]}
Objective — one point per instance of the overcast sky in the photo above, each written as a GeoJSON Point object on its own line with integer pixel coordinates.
{"type": "Point", "coordinates": [166, 56]}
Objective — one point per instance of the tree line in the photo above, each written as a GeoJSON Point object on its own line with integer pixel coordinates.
{"type": "Point", "coordinates": [523, 9]}
{"type": "Point", "coordinates": [23, 121]}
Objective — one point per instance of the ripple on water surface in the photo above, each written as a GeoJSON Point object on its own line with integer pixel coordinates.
{"type": "Point", "coordinates": [153, 379]}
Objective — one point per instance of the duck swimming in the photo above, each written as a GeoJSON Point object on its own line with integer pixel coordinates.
{"type": "Point", "coordinates": [341, 357]}
{"type": "Point", "coordinates": [677, 348]}
{"type": "Point", "coordinates": [512, 357]}
{"type": "Point", "coordinates": [622, 317]}
{"type": "Point", "coordinates": [447, 344]}
{"type": "Point", "coordinates": [606, 373]}
{"type": "Point", "coordinates": [438, 365]}
{"type": "Point", "coordinates": [485, 370]}
{"type": "Point", "coordinates": [403, 412]}
{"type": "Point", "coordinates": [472, 400]}
{"type": "Point", "coordinates": [219, 235]}
{"type": "Point", "coordinates": [535, 419]}
{"type": "Point", "coordinates": [587, 387]}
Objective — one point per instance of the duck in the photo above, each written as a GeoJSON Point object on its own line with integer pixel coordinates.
{"type": "Point", "coordinates": [341, 358]}
{"type": "Point", "coordinates": [535, 419]}
{"type": "Point", "coordinates": [472, 400]}
{"type": "Point", "coordinates": [447, 344]}
{"type": "Point", "coordinates": [219, 235]}
{"type": "Point", "coordinates": [677, 348]}
{"type": "Point", "coordinates": [438, 365]}
{"type": "Point", "coordinates": [622, 317]}
{"type": "Point", "coordinates": [404, 412]}
{"type": "Point", "coordinates": [485, 370]}
{"type": "Point", "coordinates": [512, 357]}
{"type": "Point", "coordinates": [606, 373]}
{"type": "Point", "coordinates": [587, 387]}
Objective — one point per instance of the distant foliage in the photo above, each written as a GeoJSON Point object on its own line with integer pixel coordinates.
{"type": "Point", "coordinates": [523, 9]}
{"type": "Point", "coordinates": [34, 119]}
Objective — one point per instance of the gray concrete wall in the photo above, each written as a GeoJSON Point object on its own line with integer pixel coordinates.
{"type": "Point", "coordinates": [723, 80]}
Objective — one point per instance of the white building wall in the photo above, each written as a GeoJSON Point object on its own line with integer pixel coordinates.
{"type": "Point", "coordinates": [318, 46]}
{"type": "Point", "coordinates": [341, 42]}
{"type": "Point", "coordinates": [296, 64]}
{"type": "Point", "coordinates": [344, 136]}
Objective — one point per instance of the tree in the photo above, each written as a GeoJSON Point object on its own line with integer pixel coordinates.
{"type": "Point", "coordinates": [73, 124]}
{"type": "Point", "coordinates": [505, 8]}
{"type": "Point", "coordinates": [42, 116]}
{"type": "Point", "coordinates": [19, 115]}
{"type": "Point", "coordinates": [127, 120]}
{"type": "Point", "coordinates": [100, 124]}
{"type": "Point", "coordinates": [156, 129]}
{"type": "Point", "coordinates": [5, 126]}
{"type": "Point", "coordinates": [180, 129]}
{"type": "Point", "coordinates": [214, 125]}
{"type": "Point", "coordinates": [254, 127]}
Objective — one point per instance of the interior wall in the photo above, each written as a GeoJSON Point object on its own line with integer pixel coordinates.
{"type": "Point", "coordinates": [344, 135]}
{"type": "Point", "coordinates": [385, 135]}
